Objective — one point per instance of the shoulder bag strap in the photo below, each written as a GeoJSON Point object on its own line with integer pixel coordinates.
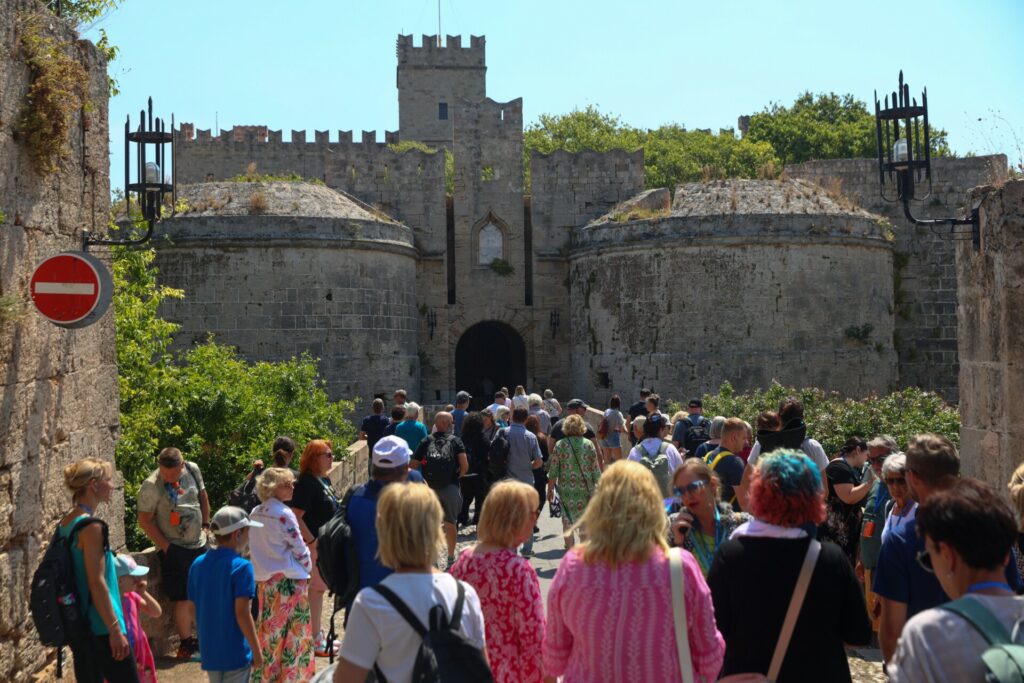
{"type": "Point", "coordinates": [402, 609]}
{"type": "Point", "coordinates": [675, 568]}
{"type": "Point", "coordinates": [576, 457]}
{"type": "Point", "coordinates": [456, 619]}
{"type": "Point", "coordinates": [793, 613]}
{"type": "Point", "coordinates": [983, 621]}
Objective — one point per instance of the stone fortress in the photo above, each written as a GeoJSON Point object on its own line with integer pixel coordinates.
{"type": "Point", "coordinates": [581, 282]}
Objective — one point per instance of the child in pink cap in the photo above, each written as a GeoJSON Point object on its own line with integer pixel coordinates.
{"type": "Point", "coordinates": [131, 580]}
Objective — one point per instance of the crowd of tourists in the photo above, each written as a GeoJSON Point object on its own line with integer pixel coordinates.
{"type": "Point", "coordinates": [698, 548]}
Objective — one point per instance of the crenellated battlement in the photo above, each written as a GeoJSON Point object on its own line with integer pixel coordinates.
{"type": "Point", "coordinates": [492, 113]}
{"type": "Point", "coordinates": [430, 54]}
{"type": "Point", "coordinates": [261, 135]}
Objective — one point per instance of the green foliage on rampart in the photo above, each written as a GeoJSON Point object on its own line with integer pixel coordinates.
{"type": "Point", "coordinates": [222, 411]}
{"type": "Point", "coordinates": [831, 419]}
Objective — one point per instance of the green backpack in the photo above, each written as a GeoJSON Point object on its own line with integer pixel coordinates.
{"type": "Point", "coordinates": [658, 465]}
{"type": "Point", "coordinates": [1004, 658]}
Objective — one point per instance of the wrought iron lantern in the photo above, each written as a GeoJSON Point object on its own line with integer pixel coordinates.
{"type": "Point", "coordinates": [150, 188]}
{"type": "Point", "coordinates": [904, 157]}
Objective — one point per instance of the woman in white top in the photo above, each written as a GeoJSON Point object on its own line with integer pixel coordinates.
{"type": "Point", "coordinates": [968, 532]}
{"type": "Point", "coordinates": [409, 533]}
{"type": "Point", "coordinates": [901, 508]}
{"type": "Point", "coordinates": [281, 564]}
{"type": "Point", "coordinates": [521, 399]}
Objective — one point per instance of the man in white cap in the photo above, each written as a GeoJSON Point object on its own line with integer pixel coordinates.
{"type": "Point", "coordinates": [222, 584]}
{"type": "Point", "coordinates": [390, 464]}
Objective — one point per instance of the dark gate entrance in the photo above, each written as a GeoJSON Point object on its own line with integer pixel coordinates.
{"type": "Point", "coordinates": [490, 355]}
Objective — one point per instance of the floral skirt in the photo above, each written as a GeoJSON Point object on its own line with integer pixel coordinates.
{"type": "Point", "coordinates": [285, 631]}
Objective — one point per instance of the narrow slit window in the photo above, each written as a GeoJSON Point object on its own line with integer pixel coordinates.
{"type": "Point", "coordinates": [442, 111]}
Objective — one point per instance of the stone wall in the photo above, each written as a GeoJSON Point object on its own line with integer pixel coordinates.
{"type": "Point", "coordinates": [686, 302]}
{"type": "Point", "coordinates": [924, 277]}
{"type": "Point", "coordinates": [58, 395]}
{"type": "Point", "coordinates": [432, 75]}
{"type": "Point", "coordinates": [991, 326]}
{"type": "Point", "coordinates": [342, 289]}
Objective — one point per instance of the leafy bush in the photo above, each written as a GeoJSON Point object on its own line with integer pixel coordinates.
{"type": "Point", "coordinates": [832, 419]}
{"type": "Point", "coordinates": [222, 411]}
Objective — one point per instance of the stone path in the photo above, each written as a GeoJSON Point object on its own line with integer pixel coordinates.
{"type": "Point", "coordinates": [549, 549]}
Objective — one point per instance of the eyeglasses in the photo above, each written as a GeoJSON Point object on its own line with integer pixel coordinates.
{"type": "Point", "coordinates": [329, 454]}
{"type": "Point", "coordinates": [875, 461]}
{"type": "Point", "coordinates": [690, 488]}
{"type": "Point", "coordinates": [925, 560]}
{"type": "Point", "coordinates": [896, 481]}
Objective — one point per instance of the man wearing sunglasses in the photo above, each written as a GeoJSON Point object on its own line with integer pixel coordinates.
{"type": "Point", "coordinates": [873, 521]}
{"type": "Point", "coordinates": [903, 587]}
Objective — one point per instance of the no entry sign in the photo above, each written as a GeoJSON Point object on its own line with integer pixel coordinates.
{"type": "Point", "coordinates": [72, 289]}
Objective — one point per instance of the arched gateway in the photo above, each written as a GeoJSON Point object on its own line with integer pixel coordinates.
{"type": "Point", "coordinates": [489, 355]}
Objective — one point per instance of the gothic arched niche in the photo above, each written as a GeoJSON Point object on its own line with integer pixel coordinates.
{"type": "Point", "coordinates": [490, 236]}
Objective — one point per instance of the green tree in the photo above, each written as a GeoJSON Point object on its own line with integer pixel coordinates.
{"type": "Point", "coordinates": [219, 409]}
{"type": "Point", "coordinates": [82, 11]}
{"type": "Point", "coordinates": [824, 126]}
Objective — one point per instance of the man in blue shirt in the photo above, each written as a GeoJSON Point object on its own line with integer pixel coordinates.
{"type": "Point", "coordinates": [462, 400]}
{"type": "Point", "coordinates": [373, 426]}
{"type": "Point", "coordinates": [902, 585]}
{"type": "Point", "coordinates": [390, 464]}
{"type": "Point", "coordinates": [221, 584]}
{"type": "Point", "coordinates": [523, 458]}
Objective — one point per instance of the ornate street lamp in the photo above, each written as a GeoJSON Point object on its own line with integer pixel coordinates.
{"type": "Point", "coordinates": [904, 157]}
{"type": "Point", "coordinates": [150, 187]}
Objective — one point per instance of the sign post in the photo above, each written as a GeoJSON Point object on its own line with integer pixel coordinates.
{"type": "Point", "coordinates": [72, 289]}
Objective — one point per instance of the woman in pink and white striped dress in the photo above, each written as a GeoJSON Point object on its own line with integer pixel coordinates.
{"type": "Point", "coordinates": [610, 604]}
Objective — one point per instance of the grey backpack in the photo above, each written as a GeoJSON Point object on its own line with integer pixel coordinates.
{"type": "Point", "coordinates": [658, 465]}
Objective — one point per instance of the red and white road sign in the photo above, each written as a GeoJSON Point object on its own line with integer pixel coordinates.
{"type": "Point", "coordinates": [72, 289]}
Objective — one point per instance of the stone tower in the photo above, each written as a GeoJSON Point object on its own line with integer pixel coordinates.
{"type": "Point", "coordinates": [432, 81]}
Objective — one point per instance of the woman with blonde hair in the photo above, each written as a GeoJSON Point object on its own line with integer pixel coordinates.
{"type": "Point", "coordinates": [1016, 487]}
{"type": "Point", "coordinates": [574, 471]}
{"type": "Point", "coordinates": [521, 399]}
{"type": "Point", "coordinates": [701, 522]}
{"type": "Point", "coordinates": [378, 637]}
{"type": "Point", "coordinates": [314, 503]}
{"type": "Point", "coordinates": [281, 564]}
{"type": "Point", "coordinates": [105, 653]}
{"type": "Point", "coordinates": [628, 634]}
{"type": "Point", "coordinates": [506, 583]}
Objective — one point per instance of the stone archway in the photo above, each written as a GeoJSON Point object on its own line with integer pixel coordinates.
{"type": "Point", "coordinates": [489, 355]}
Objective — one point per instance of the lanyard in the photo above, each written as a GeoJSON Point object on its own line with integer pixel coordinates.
{"type": "Point", "coordinates": [879, 499]}
{"type": "Point", "coordinates": [704, 554]}
{"type": "Point", "coordinates": [985, 585]}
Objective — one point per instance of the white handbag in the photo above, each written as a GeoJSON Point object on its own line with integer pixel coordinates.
{"type": "Point", "coordinates": [675, 568]}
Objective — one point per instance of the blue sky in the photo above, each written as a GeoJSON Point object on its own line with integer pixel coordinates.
{"type": "Point", "coordinates": [330, 65]}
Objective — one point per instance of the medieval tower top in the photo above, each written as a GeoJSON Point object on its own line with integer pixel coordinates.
{"type": "Point", "coordinates": [432, 80]}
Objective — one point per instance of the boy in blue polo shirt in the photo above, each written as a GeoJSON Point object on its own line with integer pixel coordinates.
{"type": "Point", "coordinates": [221, 583]}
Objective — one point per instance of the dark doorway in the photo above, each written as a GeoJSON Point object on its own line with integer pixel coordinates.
{"type": "Point", "coordinates": [490, 355]}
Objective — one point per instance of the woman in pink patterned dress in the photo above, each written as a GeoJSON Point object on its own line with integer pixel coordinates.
{"type": "Point", "coordinates": [281, 563]}
{"type": "Point", "coordinates": [610, 607]}
{"type": "Point", "coordinates": [506, 583]}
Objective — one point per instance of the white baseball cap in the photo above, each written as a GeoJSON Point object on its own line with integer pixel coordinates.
{"type": "Point", "coordinates": [391, 451]}
{"type": "Point", "coordinates": [230, 518]}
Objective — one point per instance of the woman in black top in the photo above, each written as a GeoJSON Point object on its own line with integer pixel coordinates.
{"type": "Point", "coordinates": [474, 485]}
{"type": "Point", "coordinates": [753, 575]}
{"type": "Point", "coordinates": [540, 475]}
{"type": "Point", "coordinates": [846, 494]}
{"type": "Point", "coordinates": [314, 503]}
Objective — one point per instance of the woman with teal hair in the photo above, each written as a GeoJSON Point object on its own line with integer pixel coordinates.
{"type": "Point", "coordinates": [754, 578]}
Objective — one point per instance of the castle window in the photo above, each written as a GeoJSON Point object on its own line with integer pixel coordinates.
{"type": "Point", "coordinates": [442, 111]}
{"type": "Point", "coordinates": [490, 244]}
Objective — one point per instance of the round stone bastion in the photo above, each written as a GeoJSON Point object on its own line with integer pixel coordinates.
{"type": "Point", "coordinates": [279, 268]}
{"type": "Point", "coordinates": [745, 281]}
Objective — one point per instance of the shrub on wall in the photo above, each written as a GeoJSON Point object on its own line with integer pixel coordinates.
{"type": "Point", "coordinates": [831, 419]}
{"type": "Point", "coordinates": [222, 411]}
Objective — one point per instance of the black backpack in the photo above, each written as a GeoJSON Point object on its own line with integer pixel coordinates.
{"type": "Point", "coordinates": [245, 495]}
{"type": "Point", "coordinates": [58, 611]}
{"type": "Point", "coordinates": [445, 655]}
{"type": "Point", "coordinates": [497, 456]}
{"type": "Point", "coordinates": [439, 468]}
{"type": "Point", "coordinates": [696, 434]}
{"type": "Point", "coordinates": [337, 558]}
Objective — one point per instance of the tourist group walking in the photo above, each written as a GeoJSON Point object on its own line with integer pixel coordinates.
{"type": "Point", "coordinates": [697, 548]}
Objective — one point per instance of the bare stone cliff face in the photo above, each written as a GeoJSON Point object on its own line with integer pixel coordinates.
{"type": "Point", "coordinates": [58, 391]}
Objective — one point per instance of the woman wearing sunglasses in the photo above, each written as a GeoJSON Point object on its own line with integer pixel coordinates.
{"type": "Point", "coordinates": [968, 533]}
{"type": "Point", "coordinates": [699, 521]}
{"type": "Point", "coordinates": [902, 508]}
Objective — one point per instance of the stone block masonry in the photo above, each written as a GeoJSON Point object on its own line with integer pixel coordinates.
{"type": "Point", "coordinates": [58, 388]}
{"type": "Point", "coordinates": [991, 326]}
{"type": "Point", "coordinates": [926, 288]}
